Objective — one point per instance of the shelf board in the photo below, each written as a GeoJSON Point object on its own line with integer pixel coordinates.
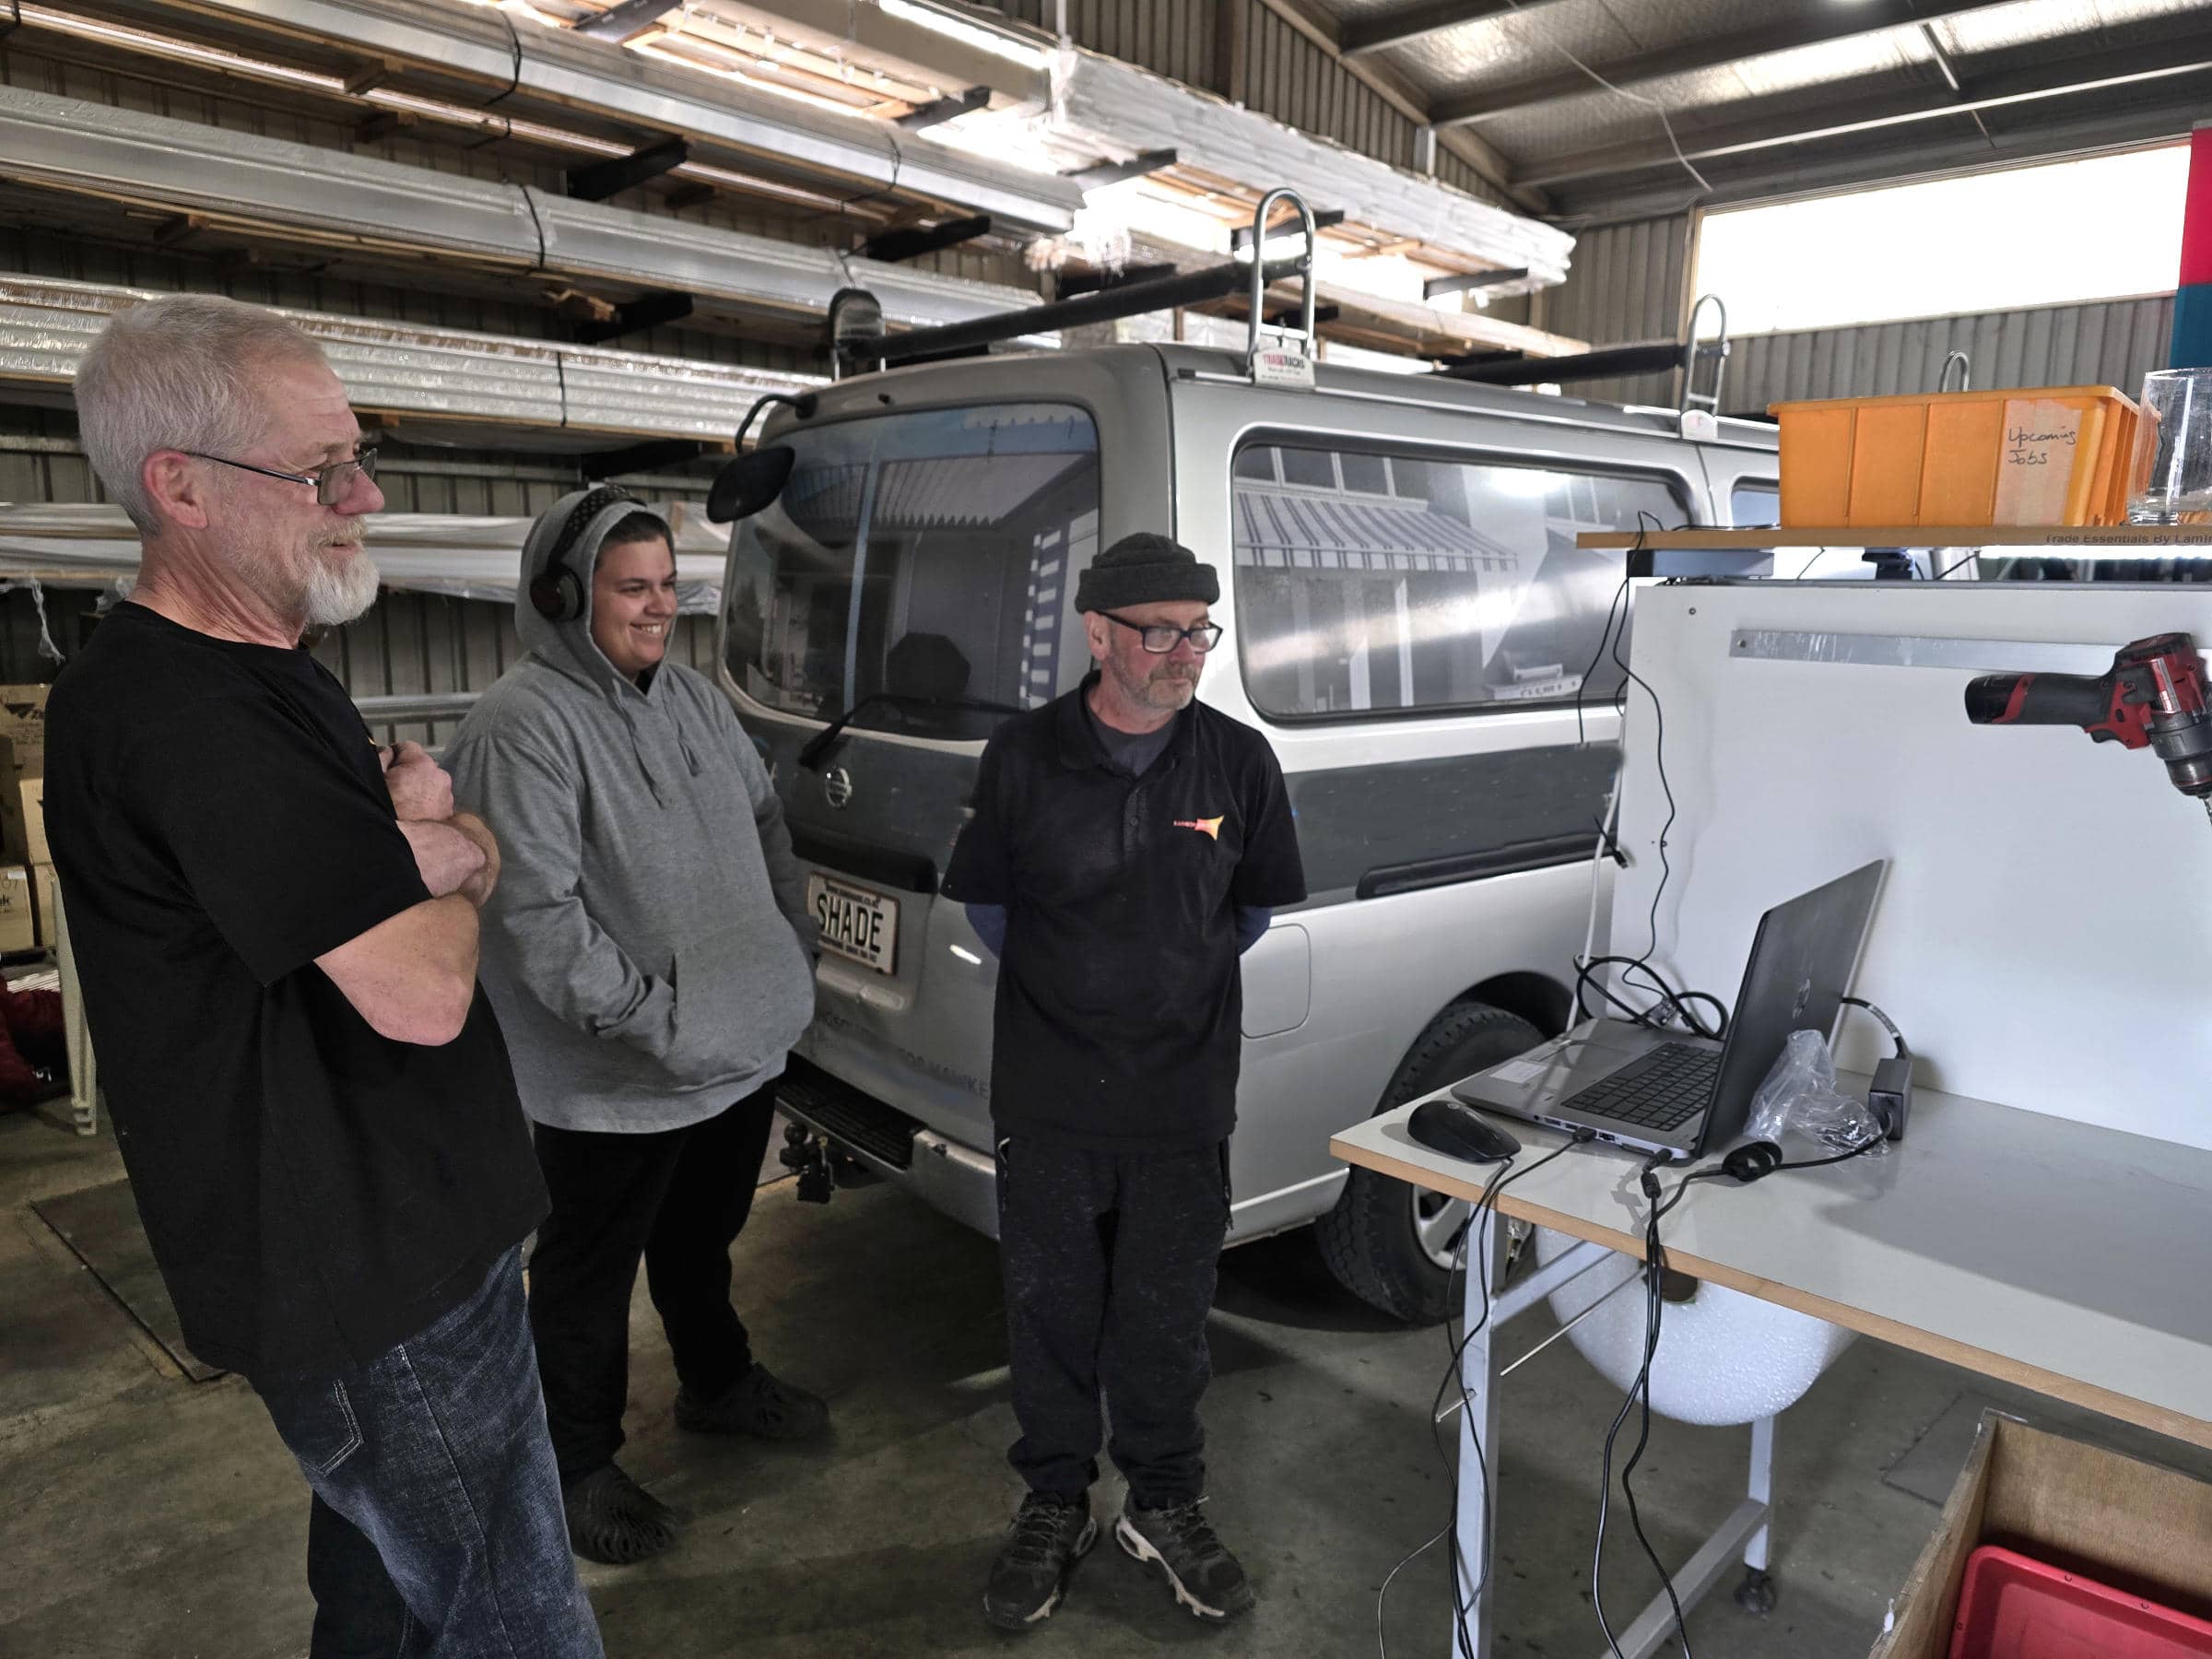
{"type": "Point", "coordinates": [1917, 535]}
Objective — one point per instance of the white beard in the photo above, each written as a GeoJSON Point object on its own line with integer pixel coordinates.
{"type": "Point", "coordinates": [338, 597]}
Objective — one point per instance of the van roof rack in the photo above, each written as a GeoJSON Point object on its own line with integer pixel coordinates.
{"type": "Point", "coordinates": [1645, 357]}
{"type": "Point", "coordinates": [858, 341]}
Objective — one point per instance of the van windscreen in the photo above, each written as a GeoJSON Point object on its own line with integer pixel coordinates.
{"type": "Point", "coordinates": [919, 559]}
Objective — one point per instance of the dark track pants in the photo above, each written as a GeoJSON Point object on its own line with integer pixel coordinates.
{"type": "Point", "coordinates": [1109, 1260]}
{"type": "Point", "coordinates": [678, 1199]}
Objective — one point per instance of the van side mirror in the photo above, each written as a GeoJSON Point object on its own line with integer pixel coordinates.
{"type": "Point", "coordinates": [749, 483]}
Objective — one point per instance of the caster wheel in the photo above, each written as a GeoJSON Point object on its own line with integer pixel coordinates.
{"type": "Point", "coordinates": [1756, 1594]}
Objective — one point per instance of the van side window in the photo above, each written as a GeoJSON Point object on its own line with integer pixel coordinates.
{"type": "Point", "coordinates": [924, 560]}
{"type": "Point", "coordinates": [1754, 503]}
{"type": "Point", "coordinates": [1368, 583]}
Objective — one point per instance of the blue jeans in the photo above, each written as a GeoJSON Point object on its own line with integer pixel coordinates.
{"type": "Point", "coordinates": [437, 1528]}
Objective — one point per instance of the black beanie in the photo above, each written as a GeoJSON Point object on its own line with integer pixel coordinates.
{"type": "Point", "coordinates": [1146, 568]}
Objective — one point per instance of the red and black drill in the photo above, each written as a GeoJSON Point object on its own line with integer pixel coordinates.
{"type": "Point", "coordinates": [2153, 696]}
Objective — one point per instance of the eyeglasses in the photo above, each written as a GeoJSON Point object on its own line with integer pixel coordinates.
{"type": "Point", "coordinates": [333, 483]}
{"type": "Point", "coordinates": [1160, 639]}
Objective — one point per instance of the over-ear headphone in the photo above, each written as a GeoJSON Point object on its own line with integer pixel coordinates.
{"type": "Point", "coordinates": [557, 592]}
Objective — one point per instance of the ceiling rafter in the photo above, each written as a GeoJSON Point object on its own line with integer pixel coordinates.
{"type": "Point", "coordinates": [2119, 72]}
{"type": "Point", "coordinates": [1323, 29]}
{"type": "Point", "coordinates": [1804, 29]}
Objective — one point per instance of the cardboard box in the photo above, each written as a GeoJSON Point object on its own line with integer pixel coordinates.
{"type": "Point", "coordinates": [18, 923]}
{"type": "Point", "coordinates": [14, 838]}
{"type": "Point", "coordinates": [2139, 1527]}
{"type": "Point", "coordinates": [23, 724]}
{"type": "Point", "coordinates": [32, 796]}
{"type": "Point", "coordinates": [45, 899]}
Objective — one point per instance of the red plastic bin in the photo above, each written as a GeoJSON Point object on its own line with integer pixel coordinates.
{"type": "Point", "coordinates": [2013, 1607]}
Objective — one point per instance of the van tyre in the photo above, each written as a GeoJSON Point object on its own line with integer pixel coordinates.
{"type": "Point", "coordinates": [1371, 1240]}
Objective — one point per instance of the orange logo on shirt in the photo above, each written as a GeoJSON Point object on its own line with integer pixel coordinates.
{"type": "Point", "coordinates": [1207, 826]}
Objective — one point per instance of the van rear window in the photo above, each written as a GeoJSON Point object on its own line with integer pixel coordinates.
{"type": "Point", "coordinates": [919, 559]}
{"type": "Point", "coordinates": [1369, 582]}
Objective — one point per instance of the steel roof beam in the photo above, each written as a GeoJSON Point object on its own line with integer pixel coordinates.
{"type": "Point", "coordinates": [1362, 36]}
{"type": "Point", "coordinates": [1895, 155]}
{"type": "Point", "coordinates": [2132, 70]}
{"type": "Point", "coordinates": [1384, 79]}
{"type": "Point", "coordinates": [1806, 27]}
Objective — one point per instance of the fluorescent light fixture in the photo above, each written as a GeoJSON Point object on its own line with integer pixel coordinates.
{"type": "Point", "coordinates": [966, 955]}
{"type": "Point", "coordinates": [969, 34]}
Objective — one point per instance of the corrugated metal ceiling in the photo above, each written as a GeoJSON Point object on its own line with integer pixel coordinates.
{"type": "Point", "coordinates": [1726, 71]}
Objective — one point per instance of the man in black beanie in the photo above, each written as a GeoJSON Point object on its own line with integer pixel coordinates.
{"type": "Point", "coordinates": [1126, 844]}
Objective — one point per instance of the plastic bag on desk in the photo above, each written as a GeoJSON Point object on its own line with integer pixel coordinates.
{"type": "Point", "coordinates": [1800, 1093]}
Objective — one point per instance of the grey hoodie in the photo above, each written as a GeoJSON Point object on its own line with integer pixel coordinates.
{"type": "Point", "coordinates": [647, 949]}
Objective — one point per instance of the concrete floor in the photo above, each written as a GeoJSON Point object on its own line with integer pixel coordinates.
{"type": "Point", "coordinates": [144, 1514]}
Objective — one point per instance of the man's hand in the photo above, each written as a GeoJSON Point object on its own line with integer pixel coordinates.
{"type": "Point", "coordinates": [477, 889]}
{"type": "Point", "coordinates": [421, 792]}
{"type": "Point", "coordinates": [446, 856]}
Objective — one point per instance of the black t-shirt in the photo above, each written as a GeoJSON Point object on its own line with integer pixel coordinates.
{"type": "Point", "coordinates": [314, 1193]}
{"type": "Point", "coordinates": [1131, 752]}
{"type": "Point", "coordinates": [1118, 994]}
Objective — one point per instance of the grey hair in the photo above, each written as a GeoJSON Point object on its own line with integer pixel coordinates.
{"type": "Point", "coordinates": [179, 372]}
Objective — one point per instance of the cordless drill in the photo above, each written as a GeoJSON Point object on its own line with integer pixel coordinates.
{"type": "Point", "coordinates": [2152, 697]}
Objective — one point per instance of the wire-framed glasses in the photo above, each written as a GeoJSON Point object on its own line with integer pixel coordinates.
{"type": "Point", "coordinates": [332, 483]}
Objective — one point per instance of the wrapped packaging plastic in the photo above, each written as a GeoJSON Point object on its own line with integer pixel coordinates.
{"type": "Point", "coordinates": [1800, 1094]}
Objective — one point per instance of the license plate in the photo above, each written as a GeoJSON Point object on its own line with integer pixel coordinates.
{"type": "Point", "coordinates": [858, 924]}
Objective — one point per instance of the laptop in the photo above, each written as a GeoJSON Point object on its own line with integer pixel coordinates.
{"type": "Point", "coordinates": [1665, 1091]}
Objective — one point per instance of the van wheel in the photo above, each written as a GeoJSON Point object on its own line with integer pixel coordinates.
{"type": "Point", "coordinates": [1387, 1242]}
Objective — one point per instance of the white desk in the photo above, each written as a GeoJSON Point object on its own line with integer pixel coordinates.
{"type": "Point", "coordinates": [2073, 1260]}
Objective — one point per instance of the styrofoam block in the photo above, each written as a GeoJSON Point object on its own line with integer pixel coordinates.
{"type": "Point", "coordinates": [1723, 1357]}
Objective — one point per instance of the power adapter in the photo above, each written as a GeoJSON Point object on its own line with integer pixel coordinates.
{"type": "Point", "coordinates": [1890, 1096]}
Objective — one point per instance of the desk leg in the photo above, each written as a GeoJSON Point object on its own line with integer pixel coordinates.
{"type": "Point", "coordinates": [1756, 1594]}
{"type": "Point", "coordinates": [1477, 1467]}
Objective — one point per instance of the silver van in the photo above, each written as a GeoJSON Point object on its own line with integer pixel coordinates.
{"type": "Point", "coordinates": [1409, 622]}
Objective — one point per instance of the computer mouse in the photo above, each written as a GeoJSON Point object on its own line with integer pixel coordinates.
{"type": "Point", "coordinates": [1457, 1130]}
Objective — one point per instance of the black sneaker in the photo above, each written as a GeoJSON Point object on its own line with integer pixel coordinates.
{"type": "Point", "coordinates": [759, 1405]}
{"type": "Point", "coordinates": [615, 1521]}
{"type": "Point", "coordinates": [1205, 1577]}
{"type": "Point", "coordinates": [1042, 1546]}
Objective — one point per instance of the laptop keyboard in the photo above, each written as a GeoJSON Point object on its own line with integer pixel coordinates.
{"type": "Point", "coordinates": [1662, 1090]}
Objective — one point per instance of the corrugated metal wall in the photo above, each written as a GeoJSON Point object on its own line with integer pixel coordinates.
{"type": "Point", "coordinates": [1629, 282]}
{"type": "Point", "coordinates": [2112, 342]}
{"type": "Point", "coordinates": [1289, 78]}
{"type": "Point", "coordinates": [409, 644]}
{"type": "Point", "coordinates": [413, 643]}
{"type": "Point", "coordinates": [1174, 37]}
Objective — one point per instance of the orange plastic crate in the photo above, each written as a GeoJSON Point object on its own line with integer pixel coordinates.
{"type": "Point", "coordinates": [2033, 455]}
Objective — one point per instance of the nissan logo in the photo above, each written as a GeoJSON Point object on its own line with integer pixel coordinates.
{"type": "Point", "coordinates": [837, 787]}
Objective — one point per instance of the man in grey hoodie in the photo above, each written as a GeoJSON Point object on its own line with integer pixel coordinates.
{"type": "Point", "coordinates": [651, 962]}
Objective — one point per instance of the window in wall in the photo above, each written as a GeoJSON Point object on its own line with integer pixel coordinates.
{"type": "Point", "coordinates": [1370, 582]}
{"type": "Point", "coordinates": [2095, 229]}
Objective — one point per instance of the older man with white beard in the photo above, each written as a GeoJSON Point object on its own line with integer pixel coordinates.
{"type": "Point", "coordinates": [276, 923]}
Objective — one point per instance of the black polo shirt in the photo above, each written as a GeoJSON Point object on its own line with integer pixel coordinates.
{"type": "Point", "coordinates": [1117, 1020]}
